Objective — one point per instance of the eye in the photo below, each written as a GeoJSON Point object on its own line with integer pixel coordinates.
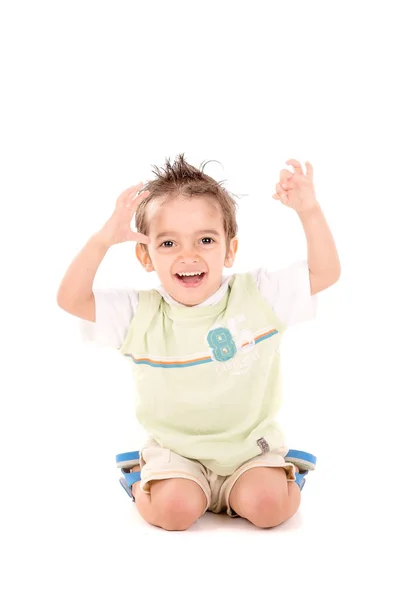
{"type": "Point", "coordinates": [207, 238]}
{"type": "Point", "coordinates": [167, 242]}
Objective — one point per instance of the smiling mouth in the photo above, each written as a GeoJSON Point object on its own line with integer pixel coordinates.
{"type": "Point", "coordinates": [190, 281]}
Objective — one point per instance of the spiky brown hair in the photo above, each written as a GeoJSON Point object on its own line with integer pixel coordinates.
{"type": "Point", "coordinates": [183, 178]}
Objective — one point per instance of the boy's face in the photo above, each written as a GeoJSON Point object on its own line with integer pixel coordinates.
{"type": "Point", "coordinates": [187, 236]}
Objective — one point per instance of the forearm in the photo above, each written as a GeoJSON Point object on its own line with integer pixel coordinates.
{"type": "Point", "coordinates": [77, 284]}
{"type": "Point", "coordinates": [323, 259]}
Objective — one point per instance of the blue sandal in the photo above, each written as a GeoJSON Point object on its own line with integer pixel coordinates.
{"type": "Point", "coordinates": [303, 460]}
{"type": "Point", "coordinates": [125, 462]}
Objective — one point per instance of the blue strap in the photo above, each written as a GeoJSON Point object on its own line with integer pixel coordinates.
{"type": "Point", "coordinates": [300, 480]}
{"type": "Point", "coordinates": [126, 488]}
{"type": "Point", "coordinates": [131, 478]}
{"type": "Point", "coordinates": [126, 456]}
{"type": "Point", "coordinates": [302, 456]}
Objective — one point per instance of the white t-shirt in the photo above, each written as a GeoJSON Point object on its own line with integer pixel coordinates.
{"type": "Point", "coordinates": [287, 291]}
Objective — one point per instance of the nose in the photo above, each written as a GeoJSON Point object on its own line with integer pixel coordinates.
{"type": "Point", "coordinates": [189, 254]}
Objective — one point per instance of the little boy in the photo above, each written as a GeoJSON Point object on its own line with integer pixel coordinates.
{"type": "Point", "coordinates": [204, 347]}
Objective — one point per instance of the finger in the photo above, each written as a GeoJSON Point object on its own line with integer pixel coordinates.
{"type": "Point", "coordinates": [135, 192]}
{"type": "Point", "coordinates": [140, 238]}
{"type": "Point", "coordinates": [133, 201]}
{"type": "Point", "coordinates": [135, 188]}
{"type": "Point", "coordinates": [285, 177]}
{"type": "Point", "coordinates": [296, 166]}
{"type": "Point", "coordinates": [143, 239]}
{"type": "Point", "coordinates": [129, 192]}
{"type": "Point", "coordinates": [140, 197]}
{"type": "Point", "coordinates": [309, 170]}
{"type": "Point", "coordinates": [281, 192]}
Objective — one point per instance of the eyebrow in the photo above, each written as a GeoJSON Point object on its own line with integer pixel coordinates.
{"type": "Point", "coordinates": [168, 233]}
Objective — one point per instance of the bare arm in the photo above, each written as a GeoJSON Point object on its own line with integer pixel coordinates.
{"type": "Point", "coordinates": [323, 260]}
{"type": "Point", "coordinates": [75, 294]}
{"type": "Point", "coordinates": [296, 190]}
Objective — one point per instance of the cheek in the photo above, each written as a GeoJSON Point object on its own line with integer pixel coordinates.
{"type": "Point", "coordinates": [215, 254]}
{"type": "Point", "coordinates": [161, 261]}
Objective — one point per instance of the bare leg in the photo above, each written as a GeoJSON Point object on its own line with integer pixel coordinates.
{"type": "Point", "coordinates": [265, 497]}
{"type": "Point", "coordinates": [173, 504]}
{"type": "Point", "coordinates": [143, 502]}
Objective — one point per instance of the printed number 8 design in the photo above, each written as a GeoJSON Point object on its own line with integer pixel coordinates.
{"type": "Point", "coordinates": [221, 342]}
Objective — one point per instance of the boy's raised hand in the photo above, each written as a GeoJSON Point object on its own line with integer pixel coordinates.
{"type": "Point", "coordinates": [296, 190]}
{"type": "Point", "coordinates": [118, 227]}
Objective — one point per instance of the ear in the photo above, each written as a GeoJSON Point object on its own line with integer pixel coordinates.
{"type": "Point", "coordinates": [143, 257]}
{"type": "Point", "coordinates": [231, 252]}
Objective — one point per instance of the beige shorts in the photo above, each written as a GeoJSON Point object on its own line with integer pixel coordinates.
{"type": "Point", "coordinates": [157, 463]}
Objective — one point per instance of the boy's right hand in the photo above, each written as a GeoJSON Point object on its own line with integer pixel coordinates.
{"type": "Point", "coordinates": [118, 227]}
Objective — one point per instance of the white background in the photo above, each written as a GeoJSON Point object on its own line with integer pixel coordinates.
{"type": "Point", "coordinates": [94, 94]}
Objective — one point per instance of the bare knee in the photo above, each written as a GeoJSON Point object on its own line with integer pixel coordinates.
{"type": "Point", "coordinates": [269, 510]}
{"type": "Point", "coordinates": [269, 515]}
{"type": "Point", "coordinates": [179, 504]}
{"type": "Point", "coordinates": [176, 516]}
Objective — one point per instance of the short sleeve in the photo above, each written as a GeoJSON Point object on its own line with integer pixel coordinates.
{"type": "Point", "coordinates": [114, 310]}
{"type": "Point", "coordinates": [288, 292]}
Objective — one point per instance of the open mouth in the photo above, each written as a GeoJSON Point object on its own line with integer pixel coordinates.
{"type": "Point", "coordinates": [190, 281]}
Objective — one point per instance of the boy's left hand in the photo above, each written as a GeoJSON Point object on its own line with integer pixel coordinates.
{"type": "Point", "coordinates": [299, 192]}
